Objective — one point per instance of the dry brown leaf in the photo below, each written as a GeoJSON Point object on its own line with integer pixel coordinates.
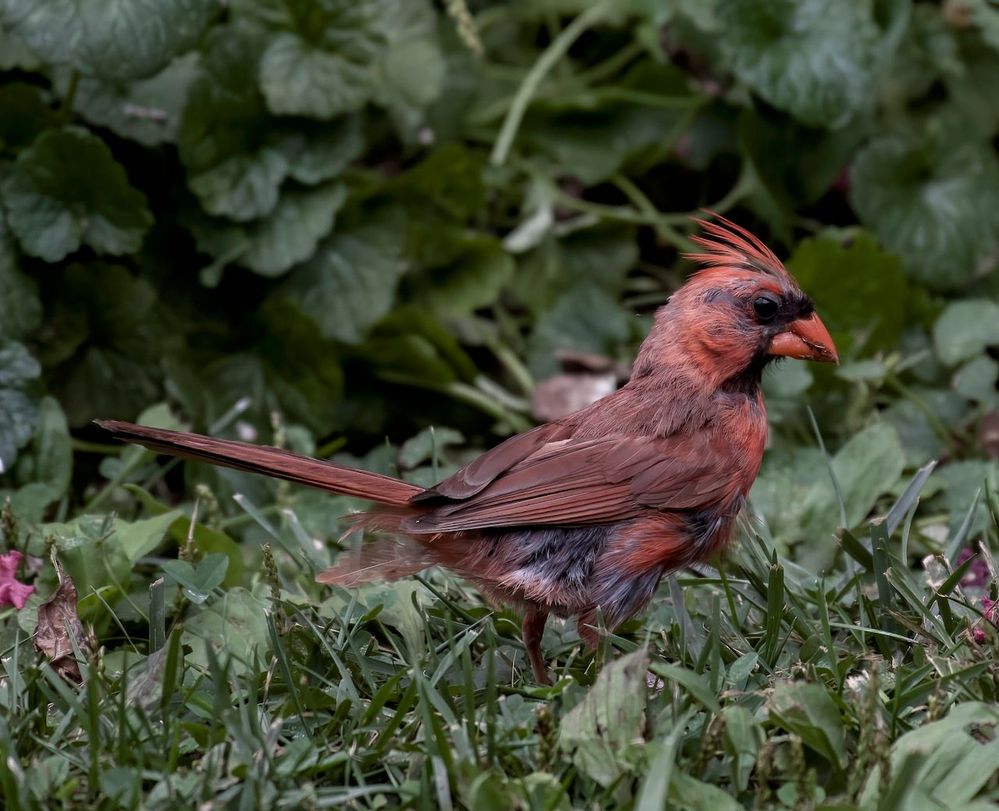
{"type": "Point", "coordinates": [57, 620]}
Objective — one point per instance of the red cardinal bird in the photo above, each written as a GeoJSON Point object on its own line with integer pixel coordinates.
{"type": "Point", "coordinates": [588, 512]}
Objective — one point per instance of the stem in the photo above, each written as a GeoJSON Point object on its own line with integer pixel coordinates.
{"type": "Point", "coordinates": [555, 51]}
{"type": "Point", "coordinates": [637, 196]}
{"type": "Point", "coordinates": [66, 108]}
{"type": "Point", "coordinates": [560, 89]}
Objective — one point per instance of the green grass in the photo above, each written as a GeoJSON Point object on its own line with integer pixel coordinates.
{"type": "Point", "coordinates": [757, 685]}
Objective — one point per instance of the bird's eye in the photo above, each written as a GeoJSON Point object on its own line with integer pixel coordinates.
{"type": "Point", "coordinates": [765, 307]}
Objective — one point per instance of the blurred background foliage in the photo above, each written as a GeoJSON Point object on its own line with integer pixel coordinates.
{"type": "Point", "coordinates": [347, 221]}
{"type": "Point", "coordinates": [396, 231]}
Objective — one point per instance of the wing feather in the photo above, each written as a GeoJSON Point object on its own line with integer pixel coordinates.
{"type": "Point", "coordinates": [589, 481]}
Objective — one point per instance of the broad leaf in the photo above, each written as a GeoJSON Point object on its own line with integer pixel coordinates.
{"type": "Point", "coordinates": [236, 626]}
{"type": "Point", "coordinates": [319, 153]}
{"type": "Point", "coordinates": [862, 293]}
{"type": "Point", "coordinates": [814, 58]}
{"type": "Point", "coordinates": [235, 166]}
{"type": "Point", "coordinates": [965, 329]}
{"type": "Point", "coordinates": [935, 204]}
{"type": "Point", "coordinates": [18, 409]}
{"type": "Point", "coordinates": [65, 191]}
{"type": "Point", "coordinates": [603, 733]}
{"type": "Point", "coordinates": [807, 710]}
{"type": "Point", "coordinates": [114, 39]}
{"type": "Point", "coordinates": [24, 114]}
{"type": "Point", "coordinates": [147, 111]}
{"type": "Point", "coordinates": [198, 580]}
{"type": "Point", "coordinates": [290, 368]}
{"type": "Point", "coordinates": [584, 317]}
{"type": "Point", "coordinates": [105, 350]}
{"type": "Point", "coordinates": [350, 282]}
{"type": "Point", "coordinates": [473, 279]}
{"type": "Point", "coordinates": [49, 461]}
{"type": "Point", "coordinates": [409, 346]}
{"type": "Point", "coordinates": [320, 56]}
{"type": "Point", "coordinates": [20, 307]}
{"type": "Point", "coordinates": [287, 236]}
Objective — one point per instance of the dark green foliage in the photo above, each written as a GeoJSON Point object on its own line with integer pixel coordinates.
{"type": "Point", "coordinates": [332, 224]}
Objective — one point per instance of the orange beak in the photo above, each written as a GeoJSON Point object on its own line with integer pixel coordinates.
{"type": "Point", "coordinates": [805, 339]}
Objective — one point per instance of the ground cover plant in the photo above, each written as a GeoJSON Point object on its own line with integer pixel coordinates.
{"type": "Point", "coordinates": [393, 232]}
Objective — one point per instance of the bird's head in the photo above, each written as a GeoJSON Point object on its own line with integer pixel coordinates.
{"type": "Point", "coordinates": [738, 313]}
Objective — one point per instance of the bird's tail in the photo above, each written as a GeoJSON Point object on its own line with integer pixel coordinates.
{"type": "Point", "coordinates": [268, 461]}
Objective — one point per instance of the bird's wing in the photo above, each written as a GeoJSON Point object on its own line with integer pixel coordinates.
{"type": "Point", "coordinates": [570, 481]}
{"type": "Point", "coordinates": [480, 473]}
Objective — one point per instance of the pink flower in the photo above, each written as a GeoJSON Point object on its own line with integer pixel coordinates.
{"type": "Point", "coordinates": [978, 572]}
{"type": "Point", "coordinates": [991, 608]}
{"type": "Point", "coordinates": [11, 591]}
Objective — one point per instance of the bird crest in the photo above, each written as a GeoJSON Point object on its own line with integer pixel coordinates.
{"type": "Point", "coordinates": [731, 246]}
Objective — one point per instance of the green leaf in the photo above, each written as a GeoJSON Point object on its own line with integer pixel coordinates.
{"type": "Point", "coordinates": [814, 58]}
{"type": "Point", "coordinates": [861, 291]}
{"type": "Point", "coordinates": [20, 306]}
{"type": "Point", "coordinates": [414, 69]}
{"type": "Point", "coordinates": [349, 284]}
{"type": "Point", "coordinates": [688, 792]}
{"type": "Point", "coordinates": [593, 145]}
{"type": "Point", "coordinates": [427, 445]}
{"type": "Point", "coordinates": [965, 328]}
{"type": "Point", "coordinates": [271, 246]}
{"type": "Point", "coordinates": [449, 181]}
{"type": "Point", "coordinates": [795, 495]}
{"type": "Point", "coordinates": [473, 279]}
{"type": "Point", "coordinates": [409, 346]}
{"type": "Point", "coordinates": [315, 155]}
{"type": "Point", "coordinates": [147, 111]}
{"type": "Point", "coordinates": [115, 39]}
{"type": "Point", "coordinates": [65, 191]}
{"type": "Point", "coordinates": [289, 368]}
{"type": "Point", "coordinates": [584, 317]}
{"type": "Point", "coordinates": [236, 625]}
{"type": "Point", "coordinates": [934, 202]}
{"type": "Point", "coordinates": [198, 580]}
{"type": "Point", "coordinates": [319, 58]}
{"type": "Point", "coordinates": [50, 460]}
{"type": "Point", "coordinates": [603, 732]}
{"type": "Point", "coordinates": [807, 710]}
{"type": "Point", "coordinates": [977, 380]}
{"type": "Point", "coordinates": [24, 113]}
{"type": "Point", "coordinates": [985, 15]}
{"type": "Point", "coordinates": [141, 538]}
{"type": "Point", "coordinates": [869, 464]}
{"type": "Point", "coordinates": [782, 489]}
{"type": "Point", "coordinates": [92, 556]}
{"type": "Point", "coordinates": [18, 410]}
{"type": "Point", "coordinates": [235, 165]}
{"type": "Point", "coordinates": [958, 763]}
{"type": "Point", "coordinates": [107, 346]}
{"type": "Point", "coordinates": [14, 54]}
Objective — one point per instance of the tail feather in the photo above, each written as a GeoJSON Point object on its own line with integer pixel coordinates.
{"type": "Point", "coordinates": [386, 558]}
{"type": "Point", "coordinates": [268, 461]}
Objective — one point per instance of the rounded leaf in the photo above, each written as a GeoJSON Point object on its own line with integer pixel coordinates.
{"type": "Point", "coordinates": [813, 58]}
{"type": "Point", "coordinates": [965, 329]}
{"type": "Point", "coordinates": [65, 191]}
{"type": "Point", "coordinates": [934, 204]}
{"type": "Point", "coordinates": [114, 39]}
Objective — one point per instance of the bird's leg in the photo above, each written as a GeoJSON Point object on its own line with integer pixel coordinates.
{"type": "Point", "coordinates": [532, 631]}
{"type": "Point", "coordinates": [586, 627]}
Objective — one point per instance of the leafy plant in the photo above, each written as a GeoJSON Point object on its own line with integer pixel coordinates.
{"type": "Point", "coordinates": [331, 225]}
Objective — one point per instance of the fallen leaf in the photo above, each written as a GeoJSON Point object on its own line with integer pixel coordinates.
{"type": "Point", "coordinates": [563, 394]}
{"type": "Point", "coordinates": [988, 434]}
{"type": "Point", "coordinates": [57, 621]}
